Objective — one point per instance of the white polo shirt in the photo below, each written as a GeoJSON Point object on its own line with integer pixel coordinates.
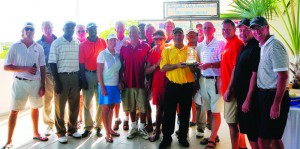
{"type": "Point", "coordinates": [119, 44]}
{"type": "Point", "coordinates": [210, 53]}
{"type": "Point", "coordinates": [20, 55]}
{"type": "Point", "coordinates": [65, 54]}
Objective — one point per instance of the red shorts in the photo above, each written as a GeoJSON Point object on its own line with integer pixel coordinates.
{"type": "Point", "coordinates": [158, 95]}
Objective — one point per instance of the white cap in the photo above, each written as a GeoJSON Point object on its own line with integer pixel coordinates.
{"type": "Point", "coordinates": [29, 25]}
{"type": "Point", "coordinates": [110, 36]}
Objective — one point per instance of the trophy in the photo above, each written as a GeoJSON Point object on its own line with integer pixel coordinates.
{"type": "Point", "coordinates": [191, 57]}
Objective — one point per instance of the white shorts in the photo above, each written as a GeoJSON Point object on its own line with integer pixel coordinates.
{"type": "Point", "coordinates": [22, 90]}
{"type": "Point", "coordinates": [211, 100]}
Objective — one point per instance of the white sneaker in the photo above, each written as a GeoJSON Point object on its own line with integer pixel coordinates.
{"type": "Point", "coordinates": [48, 131]}
{"type": "Point", "coordinates": [63, 140]}
{"type": "Point", "coordinates": [76, 135]}
{"type": "Point", "coordinates": [133, 132]}
{"type": "Point", "coordinates": [143, 133]}
{"type": "Point", "coordinates": [199, 134]}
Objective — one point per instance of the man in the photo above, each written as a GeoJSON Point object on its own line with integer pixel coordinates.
{"type": "Point", "coordinates": [179, 90]}
{"type": "Point", "coordinates": [199, 28]}
{"type": "Point", "coordinates": [228, 61]}
{"type": "Point", "coordinates": [89, 50]}
{"type": "Point", "coordinates": [243, 83]}
{"type": "Point", "coordinates": [47, 38]}
{"type": "Point", "coordinates": [272, 80]}
{"type": "Point", "coordinates": [81, 33]}
{"type": "Point", "coordinates": [132, 77]}
{"type": "Point", "coordinates": [209, 52]}
{"type": "Point", "coordinates": [169, 26]}
{"type": "Point", "coordinates": [142, 31]}
{"type": "Point", "coordinates": [26, 59]}
{"type": "Point", "coordinates": [64, 63]}
{"type": "Point", "coordinates": [120, 30]}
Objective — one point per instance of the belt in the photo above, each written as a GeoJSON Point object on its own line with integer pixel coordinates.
{"type": "Point", "coordinates": [23, 79]}
{"type": "Point", "coordinates": [69, 73]}
{"type": "Point", "coordinates": [270, 89]}
{"type": "Point", "coordinates": [210, 77]}
{"type": "Point", "coordinates": [182, 84]}
{"type": "Point", "coordinates": [94, 71]}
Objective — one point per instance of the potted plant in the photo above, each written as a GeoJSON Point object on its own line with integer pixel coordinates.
{"type": "Point", "coordinates": [288, 11]}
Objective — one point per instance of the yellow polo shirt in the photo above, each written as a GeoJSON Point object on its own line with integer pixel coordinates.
{"type": "Point", "coordinates": [173, 55]}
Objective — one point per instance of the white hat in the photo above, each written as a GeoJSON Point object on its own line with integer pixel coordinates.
{"type": "Point", "coordinates": [110, 36]}
{"type": "Point", "coordinates": [28, 25]}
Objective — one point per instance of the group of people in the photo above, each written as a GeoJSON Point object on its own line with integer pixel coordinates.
{"type": "Point", "coordinates": [247, 76]}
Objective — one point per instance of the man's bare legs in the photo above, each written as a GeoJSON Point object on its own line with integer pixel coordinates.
{"type": "Point", "coordinates": [215, 125]}
{"type": "Point", "coordinates": [11, 126]}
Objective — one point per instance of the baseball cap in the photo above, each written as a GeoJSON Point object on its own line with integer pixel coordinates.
{"type": "Point", "coordinates": [28, 25]}
{"type": "Point", "coordinates": [177, 29]}
{"type": "Point", "coordinates": [260, 21]}
{"type": "Point", "coordinates": [91, 25]}
{"type": "Point", "coordinates": [191, 30]}
{"type": "Point", "coordinates": [245, 22]}
{"type": "Point", "coordinates": [111, 36]}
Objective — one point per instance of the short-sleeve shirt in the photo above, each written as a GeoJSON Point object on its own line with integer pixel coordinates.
{"type": "Point", "coordinates": [246, 63]}
{"type": "Point", "coordinates": [89, 51]}
{"type": "Point", "coordinates": [20, 55]}
{"type": "Point", "coordinates": [46, 46]}
{"type": "Point", "coordinates": [173, 55]}
{"type": "Point", "coordinates": [65, 54]}
{"type": "Point", "coordinates": [112, 65]}
{"type": "Point", "coordinates": [120, 42]}
{"type": "Point", "coordinates": [228, 60]}
{"type": "Point", "coordinates": [273, 59]}
{"type": "Point", "coordinates": [133, 60]}
{"type": "Point", "coordinates": [210, 53]}
{"type": "Point", "coordinates": [159, 79]}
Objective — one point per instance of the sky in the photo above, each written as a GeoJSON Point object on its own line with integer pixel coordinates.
{"type": "Point", "coordinates": [14, 13]}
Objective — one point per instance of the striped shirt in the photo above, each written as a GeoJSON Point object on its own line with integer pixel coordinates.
{"type": "Point", "coordinates": [210, 53]}
{"type": "Point", "coordinates": [20, 55]}
{"type": "Point", "coordinates": [273, 59]}
{"type": "Point", "coordinates": [65, 54]}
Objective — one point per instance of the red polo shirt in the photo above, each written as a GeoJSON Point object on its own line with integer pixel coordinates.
{"type": "Point", "coordinates": [89, 51]}
{"type": "Point", "coordinates": [133, 61]}
{"type": "Point", "coordinates": [228, 60]}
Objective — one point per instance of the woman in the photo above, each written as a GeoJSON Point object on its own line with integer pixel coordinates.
{"type": "Point", "coordinates": [158, 80]}
{"type": "Point", "coordinates": [108, 66]}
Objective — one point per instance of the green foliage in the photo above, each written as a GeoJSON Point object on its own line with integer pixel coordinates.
{"type": "Point", "coordinates": [4, 52]}
{"type": "Point", "coordinates": [111, 29]}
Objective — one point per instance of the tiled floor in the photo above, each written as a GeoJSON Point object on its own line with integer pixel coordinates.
{"type": "Point", "coordinates": [23, 138]}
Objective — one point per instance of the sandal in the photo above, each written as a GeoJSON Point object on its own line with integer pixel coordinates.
{"type": "Point", "coordinates": [213, 146]}
{"type": "Point", "coordinates": [115, 134]}
{"type": "Point", "coordinates": [40, 138]}
{"type": "Point", "coordinates": [109, 139]}
{"type": "Point", "coordinates": [206, 140]}
{"type": "Point", "coordinates": [8, 146]}
{"type": "Point", "coordinates": [154, 138]}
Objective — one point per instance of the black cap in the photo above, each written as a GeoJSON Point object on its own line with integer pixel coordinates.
{"type": "Point", "coordinates": [245, 22]}
{"type": "Point", "coordinates": [177, 29]}
{"type": "Point", "coordinates": [260, 21]}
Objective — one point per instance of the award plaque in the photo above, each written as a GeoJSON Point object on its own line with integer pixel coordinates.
{"type": "Point", "coordinates": [191, 57]}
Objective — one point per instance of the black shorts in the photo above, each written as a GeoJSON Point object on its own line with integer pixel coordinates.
{"type": "Point", "coordinates": [248, 122]}
{"type": "Point", "coordinates": [270, 128]}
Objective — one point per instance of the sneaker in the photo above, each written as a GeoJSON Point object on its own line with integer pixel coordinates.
{"type": "Point", "coordinates": [199, 133]}
{"type": "Point", "coordinates": [184, 143]}
{"type": "Point", "coordinates": [86, 133]}
{"type": "Point", "coordinates": [63, 140]}
{"type": "Point", "coordinates": [143, 133]}
{"type": "Point", "coordinates": [98, 132]}
{"type": "Point", "coordinates": [48, 131]}
{"type": "Point", "coordinates": [165, 143]}
{"type": "Point", "coordinates": [75, 135]}
{"type": "Point", "coordinates": [125, 125]}
{"type": "Point", "coordinates": [133, 132]}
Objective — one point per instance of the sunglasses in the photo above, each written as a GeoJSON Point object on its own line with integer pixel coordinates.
{"type": "Point", "coordinates": [158, 39]}
{"type": "Point", "coordinates": [81, 31]}
{"type": "Point", "coordinates": [29, 29]}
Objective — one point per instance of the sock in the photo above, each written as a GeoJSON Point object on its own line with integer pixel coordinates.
{"type": "Point", "coordinates": [126, 118]}
{"type": "Point", "coordinates": [134, 125]}
{"type": "Point", "coordinates": [117, 119]}
{"type": "Point", "coordinates": [142, 125]}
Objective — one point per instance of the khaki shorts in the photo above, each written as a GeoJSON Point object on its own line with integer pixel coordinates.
{"type": "Point", "coordinates": [211, 101]}
{"type": "Point", "coordinates": [24, 90]}
{"type": "Point", "coordinates": [132, 97]}
{"type": "Point", "coordinates": [230, 111]}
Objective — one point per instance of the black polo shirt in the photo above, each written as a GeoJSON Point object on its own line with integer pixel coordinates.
{"type": "Point", "coordinates": [247, 62]}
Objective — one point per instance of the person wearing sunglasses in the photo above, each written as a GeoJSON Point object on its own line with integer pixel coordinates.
{"type": "Point", "coordinates": [81, 32]}
{"type": "Point", "coordinates": [27, 60]}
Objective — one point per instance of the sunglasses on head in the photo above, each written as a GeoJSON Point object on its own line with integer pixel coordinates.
{"type": "Point", "coordinates": [29, 29]}
{"type": "Point", "coordinates": [158, 39]}
{"type": "Point", "coordinates": [81, 31]}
